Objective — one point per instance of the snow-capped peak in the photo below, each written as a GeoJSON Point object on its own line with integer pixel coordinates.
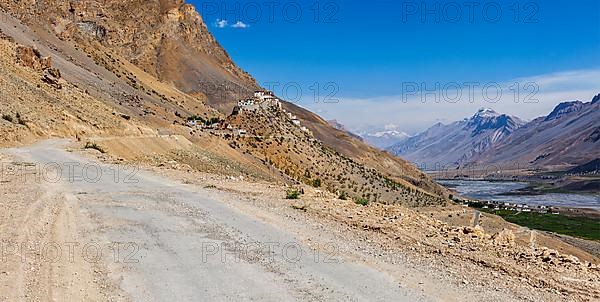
{"type": "Point", "coordinates": [483, 112]}
{"type": "Point", "coordinates": [390, 133]}
{"type": "Point", "coordinates": [488, 119]}
{"type": "Point", "coordinates": [385, 136]}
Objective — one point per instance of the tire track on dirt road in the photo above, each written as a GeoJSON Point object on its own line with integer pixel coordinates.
{"type": "Point", "coordinates": [186, 246]}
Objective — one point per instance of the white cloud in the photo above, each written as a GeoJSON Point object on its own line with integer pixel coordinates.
{"type": "Point", "coordinates": [221, 23]}
{"type": "Point", "coordinates": [240, 24]}
{"type": "Point", "coordinates": [415, 113]}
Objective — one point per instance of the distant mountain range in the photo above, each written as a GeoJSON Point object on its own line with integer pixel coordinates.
{"type": "Point", "coordinates": [567, 136]}
{"type": "Point", "coordinates": [378, 137]}
{"type": "Point", "coordinates": [458, 142]}
{"type": "Point", "coordinates": [383, 137]}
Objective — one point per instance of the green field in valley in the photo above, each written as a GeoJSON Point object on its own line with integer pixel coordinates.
{"type": "Point", "coordinates": [582, 227]}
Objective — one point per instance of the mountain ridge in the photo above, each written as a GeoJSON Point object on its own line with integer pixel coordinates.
{"type": "Point", "coordinates": [563, 109]}
{"type": "Point", "coordinates": [453, 144]}
{"type": "Point", "coordinates": [566, 137]}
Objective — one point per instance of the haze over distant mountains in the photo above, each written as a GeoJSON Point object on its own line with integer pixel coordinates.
{"type": "Point", "coordinates": [383, 137]}
{"type": "Point", "coordinates": [567, 136]}
{"type": "Point", "coordinates": [457, 142]}
{"type": "Point", "coordinates": [378, 137]}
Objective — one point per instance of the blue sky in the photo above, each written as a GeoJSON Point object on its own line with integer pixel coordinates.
{"type": "Point", "coordinates": [370, 51]}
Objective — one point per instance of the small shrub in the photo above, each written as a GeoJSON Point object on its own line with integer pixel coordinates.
{"type": "Point", "coordinates": [20, 120]}
{"type": "Point", "coordinates": [95, 146]}
{"type": "Point", "coordinates": [7, 118]}
{"type": "Point", "coordinates": [343, 195]}
{"type": "Point", "coordinates": [196, 118]}
{"type": "Point", "coordinates": [212, 120]}
{"type": "Point", "coordinates": [292, 194]}
{"type": "Point", "coordinates": [362, 201]}
{"type": "Point", "coordinates": [316, 183]}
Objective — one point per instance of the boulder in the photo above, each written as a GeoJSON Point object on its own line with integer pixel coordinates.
{"type": "Point", "coordinates": [52, 77]}
{"type": "Point", "coordinates": [504, 238]}
{"type": "Point", "coordinates": [475, 232]}
{"type": "Point", "coordinates": [32, 58]}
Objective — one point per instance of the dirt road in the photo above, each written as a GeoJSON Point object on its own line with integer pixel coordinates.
{"type": "Point", "coordinates": [93, 231]}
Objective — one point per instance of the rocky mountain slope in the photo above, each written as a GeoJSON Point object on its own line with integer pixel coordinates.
{"type": "Point", "coordinates": [167, 39]}
{"type": "Point", "coordinates": [567, 137]}
{"type": "Point", "coordinates": [442, 145]}
{"type": "Point", "coordinates": [295, 151]}
{"type": "Point", "coordinates": [147, 74]}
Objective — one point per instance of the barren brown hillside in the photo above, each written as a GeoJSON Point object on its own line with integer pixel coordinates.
{"type": "Point", "coordinates": [163, 66]}
{"type": "Point", "coordinates": [274, 138]}
{"type": "Point", "coordinates": [167, 39]}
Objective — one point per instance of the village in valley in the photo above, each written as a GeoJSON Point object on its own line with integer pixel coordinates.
{"type": "Point", "coordinates": [507, 206]}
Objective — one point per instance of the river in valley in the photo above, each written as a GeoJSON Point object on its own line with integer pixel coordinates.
{"type": "Point", "coordinates": [494, 191]}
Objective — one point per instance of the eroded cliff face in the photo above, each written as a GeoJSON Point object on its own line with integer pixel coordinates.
{"type": "Point", "coordinates": [166, 38]}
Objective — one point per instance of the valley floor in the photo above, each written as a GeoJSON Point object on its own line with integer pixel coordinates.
{"type": "Point", "coordinates": [77, 228]}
